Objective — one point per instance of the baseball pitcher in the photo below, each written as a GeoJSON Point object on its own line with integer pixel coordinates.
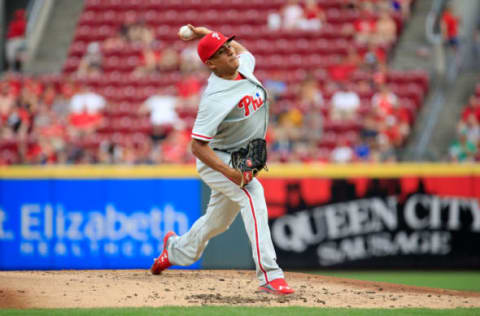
{"type": "Point", "coordinates": [228, 141]}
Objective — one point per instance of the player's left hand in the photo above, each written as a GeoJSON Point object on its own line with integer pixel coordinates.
{"type": "Point", "coordinates": [249, 161]}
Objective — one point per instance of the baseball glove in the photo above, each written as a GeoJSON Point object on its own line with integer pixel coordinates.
{"type": "Point", "coordinates": [251, 160]}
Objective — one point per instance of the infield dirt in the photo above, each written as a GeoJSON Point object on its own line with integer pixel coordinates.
{"type": "Point", "coordinates": [138, 288]}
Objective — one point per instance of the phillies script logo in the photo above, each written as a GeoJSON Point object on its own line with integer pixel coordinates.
{"type": "Point", "coordinates": [248, 101]}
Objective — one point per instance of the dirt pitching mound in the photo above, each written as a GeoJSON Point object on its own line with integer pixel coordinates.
{"type": "Point", "coordinates": [136, 288]}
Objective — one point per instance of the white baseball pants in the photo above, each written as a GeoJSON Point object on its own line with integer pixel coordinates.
{"type": "Point", "coordinates": [226, 200]}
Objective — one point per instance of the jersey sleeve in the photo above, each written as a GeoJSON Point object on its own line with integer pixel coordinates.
{"type": "Point", "coordinates": [247, 61]}
{"type": "Point", "coordinates": [210, 115]}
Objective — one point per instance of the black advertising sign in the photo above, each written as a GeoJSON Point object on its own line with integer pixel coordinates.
{"type": "Point", "coordinates": [375, 223]}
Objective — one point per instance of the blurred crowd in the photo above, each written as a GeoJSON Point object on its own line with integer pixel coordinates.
{"type": "Point", "coordinates": [374, 25]}
{"type": "Point", "coordinates": [341, 128]}
{"type": "Point", "coordinates": [64, 122]}
{"type": "Point", "coordinates": [466, 147]}
{"type": "Point", "coordinates": [45, 121]}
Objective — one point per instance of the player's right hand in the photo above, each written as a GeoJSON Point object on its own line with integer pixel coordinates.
{"type": "Point", "coordinates": [241, 178]}
{"type": "Point", "coordinates": [199, 31]}
{"type": "Point", "coordinates": [247, 176]}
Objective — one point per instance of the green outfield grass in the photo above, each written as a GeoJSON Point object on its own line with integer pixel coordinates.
{"type": "Point", "coordinates": [453, 280]}
{"type": "Point", "coordinates": [249, 311]}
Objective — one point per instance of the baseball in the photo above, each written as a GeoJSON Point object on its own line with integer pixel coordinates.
{"type": "Point", "coordinates": [185, 32]}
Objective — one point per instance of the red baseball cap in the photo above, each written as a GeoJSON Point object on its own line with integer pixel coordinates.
{"type": "Point", "coordinates": [210, 43]}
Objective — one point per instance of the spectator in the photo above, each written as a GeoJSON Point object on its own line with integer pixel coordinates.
{"type": "Point", "coordinates": [343, 71]}
{"type": "Point", "coordinates": [310, 96]}
{"type": "Point", "coordinates": [449, 26]}
{"type": "Point", "coordinates": [91, 63]}
{"type": "Point", "coordinates": [283, 135]}
{"type": "Point", "coordinates": [345, 103]}
{"type": "Point", "coordinates": [302, 152]}
{"type": "Point", "coordinates": [7, 104]}
{"type": "Point", "coordinates": [402, 119]}
{"type": "Point", "coordinates": [51, 133]}
{"type": "Point", "coordinates": [342, 153]}
{"type": "Point", "coordinates": [61, 103]}
{"type": "Point", "coordinates": [129, 153]}
{"type": "Point", "coordinates": [379, 75]}
{"type": "Point", "coordinates": [189, 61]}
{"type": "Point", "coordinates": [274, 21]}
{"type": "Point", "coordinates": [16, 40]}
{"type": "Point", "coordinates": [49, 94]}
{"type": "Point", "coordinates": [385, 150]}
{"type": "Point", "coordinates": [169, 60]}
{"type": "Point", "coordinates": [85, 116]}
{"type": "Point", "coordinates": [163, 116]}
{"type": "Point", "coordinates": [42, 151]}
{"type": "Point", "coordinates": [473, 107]}
{"type": "Point", "coordinates": [149, 61]}
{"type": "Point", "coordinates": [21, 117]}
{"type": "Point", "coordinates": [462, 150]}
{"type": "Point", "coordinates": [188, 90]}
{"type": "Point", "coordinates": [144, 146]}
{"type": "Point", "coordinates": [146, 34]}
{"type": "Point", "coordinates": [384, 101]}
{"type": "Point", "coordinates": [154, 59]}
{"type": "Point", "coordinates": [175, 146]}
{"type": "Point", "coordinates": [116, 42]}
{"type": "Point", "coordinates": [126, 26]}
{"type": "Point", "coordinates": [275, 85]}
{"type": "Point", "coordinates": [386, 30]}
{"type": "Point", "coordinates": [138, 32]}
{"type": "Point", "coordinates": [471, 128]}
{"type": "Point", "coordinates": [393, 128]}
{"type": "Point", "coordinates": [369, 128]}
{"type": "Point", "coordinates": [292, 15]}
{"type": "Point", "coordinates": [313, 16]}
{"type": "Point", "coordinates": [362, 150]}
{"type": "Point", "coordinates": [374, 58]}
{"type": "Point", "coordinates": [105, 152]}
{"type": "Point", "coordinates": [156, 155]}
{"type": "Point", "coordinates": [364, 27]}
{"type": "Point", "coordinates": [311, 131]}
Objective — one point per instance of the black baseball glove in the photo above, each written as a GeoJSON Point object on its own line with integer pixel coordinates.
{"type": "Point", "coordinates": [251, 160]}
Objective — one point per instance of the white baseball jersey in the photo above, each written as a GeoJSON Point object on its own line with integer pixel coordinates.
{"type": "Point", "coordinates": [232, 112]}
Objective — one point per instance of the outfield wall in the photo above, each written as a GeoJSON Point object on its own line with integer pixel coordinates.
{"type": "Point", "coordinates": [321, 216]}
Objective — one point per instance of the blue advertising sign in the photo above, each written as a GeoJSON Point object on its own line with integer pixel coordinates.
{"type": "Point", "coordinates": [92, 223]}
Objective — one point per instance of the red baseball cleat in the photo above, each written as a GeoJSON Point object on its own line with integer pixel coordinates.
{"type": "Point", "coordinates": [161, 263]}
{"type": "Point", "coordinates": [277, 286]}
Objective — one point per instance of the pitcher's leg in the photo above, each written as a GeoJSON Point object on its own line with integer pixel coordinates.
{"type": "Point", "coordinates": [255, 219]}
{"type": "Point", "coordinates": [188, 248]}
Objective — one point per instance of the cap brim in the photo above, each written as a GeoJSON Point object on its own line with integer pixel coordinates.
{"type": "Point", "coordinates": [227, 41]}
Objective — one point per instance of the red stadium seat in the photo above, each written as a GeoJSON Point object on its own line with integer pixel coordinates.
{"type": "Point", "coordinates": [77, 49]}
{"type": "Point", "coordinates": [71, 64]}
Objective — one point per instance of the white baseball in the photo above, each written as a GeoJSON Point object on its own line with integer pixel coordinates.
{"type": "Point", "coordinates": [185, 32]}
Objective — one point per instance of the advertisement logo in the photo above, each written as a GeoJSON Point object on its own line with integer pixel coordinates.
{"type": "Point", "coordinates": [92, 223]}
{"type": "Point", "coordinates": [351, 230]}
{"type": "Point", "coordinates": [42, 223]}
